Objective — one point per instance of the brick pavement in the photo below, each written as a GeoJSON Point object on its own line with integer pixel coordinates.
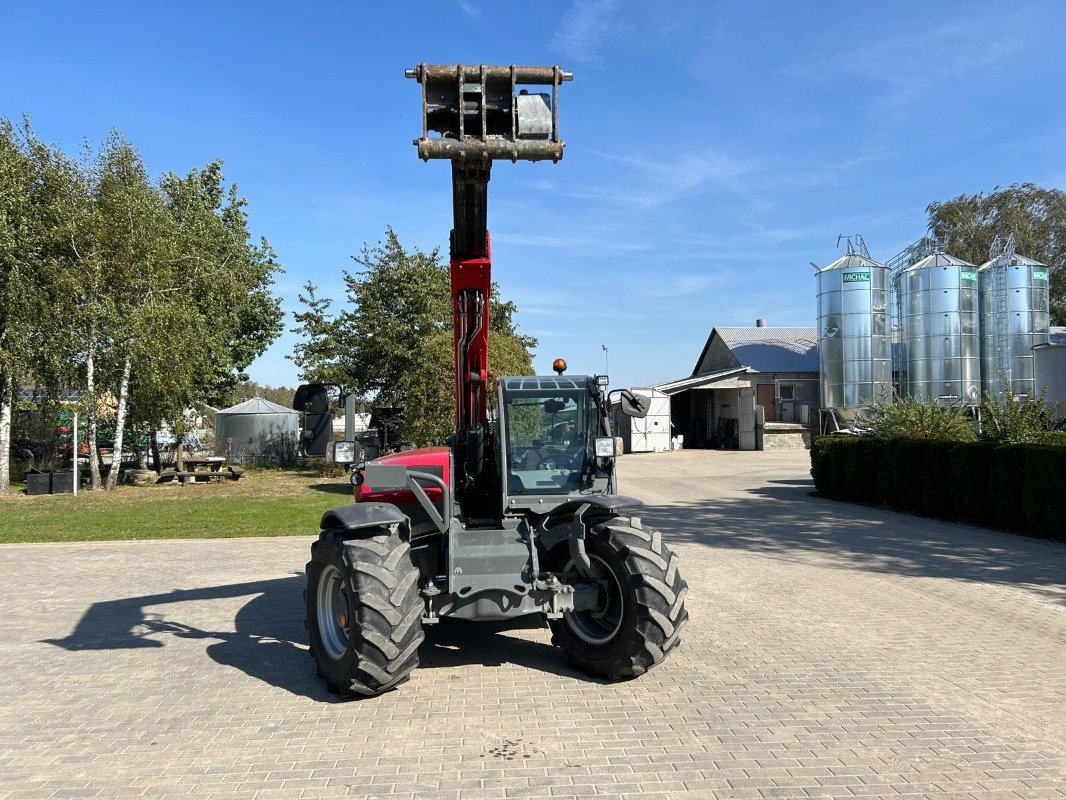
{"type": "Point", "coordinates": [834, 651]}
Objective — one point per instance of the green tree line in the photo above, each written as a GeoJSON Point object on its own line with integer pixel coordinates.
{"type": "Point", "coordinates": [391, 342]}
{"type": "Point", "coordinates": [1035, 215]}
{"type": "Point", "coordinates": [147, 295]}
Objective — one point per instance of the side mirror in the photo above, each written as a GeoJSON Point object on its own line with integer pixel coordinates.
{"type": "Point", "coordinates": [317, 427]}
{"type": "Point", "coordinates": [633, 405]}
{"type": "Point", "coordinates": [312, 398]}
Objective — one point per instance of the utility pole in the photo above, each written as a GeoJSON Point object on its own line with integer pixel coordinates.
{"type": "Point", "coordinates": [606, 371]}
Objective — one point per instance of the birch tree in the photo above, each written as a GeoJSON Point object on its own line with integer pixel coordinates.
{"type": "Point", "coordinates": [19, 248]}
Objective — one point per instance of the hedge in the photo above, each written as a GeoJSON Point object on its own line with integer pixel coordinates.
{"type": "Point", "coordinates": [1016, 486]}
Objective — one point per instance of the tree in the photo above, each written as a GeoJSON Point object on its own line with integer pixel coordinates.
{"type": "Point", "coordinates": [246, 390]}
{"type": "Point", "coordinates": [149, 295]}
{"type": "Point", "coordinates": [1035, 215]}
{"type": "Point", "coordinates": [19, 296]}
{"type": "Point", "coordinates": [393, 346]}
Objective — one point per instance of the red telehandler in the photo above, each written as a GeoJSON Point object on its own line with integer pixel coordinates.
{"type": "Point", "coordinates": [519, 515]}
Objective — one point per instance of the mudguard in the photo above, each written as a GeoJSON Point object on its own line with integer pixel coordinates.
{"type": "Point", "coordinates": [611, 502]}
{"type": "Point", "coordinates": [568, 521]}
{"type": "Point", "coordinates": [356, 516]}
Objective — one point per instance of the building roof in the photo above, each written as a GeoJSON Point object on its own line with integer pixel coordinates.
{"type": "Point", "coordinates": [1058, 334]}
{"type": "Point", "coordinates": [700, 381]}
{"type": "Point", "coordinates": [36, 394]}
{"type": "Point", "coordinates": [852, 260]}
{"type": "Point", "coordinates": [1013, 260]}
{"type": "Point", "coordinates": [772, 349]}
{"type": "Point", "coordinates": [938, 259]}
{"type": "Point", "coordinates": [257, 405]}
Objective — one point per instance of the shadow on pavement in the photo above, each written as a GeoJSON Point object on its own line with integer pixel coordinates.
{"type": "Point", "coordinates": [783, 520]}
{"type": "Point", "coordinates": [269, 641]}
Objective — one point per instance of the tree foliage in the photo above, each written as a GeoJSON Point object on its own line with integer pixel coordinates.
{"type": "Point", "coordinates": [147, 295]}
{"type": "Point", "coordinates": [1016, 420]}
{"type": "Point", "coordinates": [392, 344]}
{"type": "Point", "coordinates": [911, 418]}
{"type": "Point", "coordinates": [1035, 215]}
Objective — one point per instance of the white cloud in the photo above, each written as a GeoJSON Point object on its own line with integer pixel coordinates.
{"type": "Point", "coordinates": [584, 27]}
{"type": "Point", "coordinates": [912, 65]}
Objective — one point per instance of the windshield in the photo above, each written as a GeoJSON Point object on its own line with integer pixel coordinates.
{"type": "Point", "coordinates": [546, 441]}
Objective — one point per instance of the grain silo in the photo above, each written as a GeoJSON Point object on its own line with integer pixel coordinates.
{"type": "Point", "coordinates": [939, 328]}
{"type": "Point", "coordinates": [257, 430]}
{"type": "Point", "coordinates": [1014, 319]}
{"type": "Point", "coordinates": [855, 348]}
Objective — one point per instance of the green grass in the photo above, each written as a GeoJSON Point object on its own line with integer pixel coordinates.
{"type": "Point", "coordinates": [263, 503]}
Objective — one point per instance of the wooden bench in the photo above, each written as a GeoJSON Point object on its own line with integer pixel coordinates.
{"type": "Point", "coordinates": [214, 477]}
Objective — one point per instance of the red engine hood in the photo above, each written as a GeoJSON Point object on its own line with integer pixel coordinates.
{"type": "Point", "coordinates": [434, 460]}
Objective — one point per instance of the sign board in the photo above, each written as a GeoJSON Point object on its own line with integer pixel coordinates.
{"type": "Point", "coordinates": [968, 274]}
{"type": "Point", "coordinates": [1039, 274]}
{"type": "Point", "coordinates": [857, 277]}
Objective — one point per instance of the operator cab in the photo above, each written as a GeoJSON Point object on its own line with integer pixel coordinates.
{"type": "Point", "coordinates": [554, 441]}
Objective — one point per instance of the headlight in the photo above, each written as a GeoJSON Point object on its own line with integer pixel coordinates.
{"type": "Point", "coordinates": [604, 447]}
{"type": "Point", "coordinates": [344, 452]}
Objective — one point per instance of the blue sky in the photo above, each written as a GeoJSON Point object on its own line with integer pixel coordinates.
{"type": "Point", "coordinates": [713, 149]}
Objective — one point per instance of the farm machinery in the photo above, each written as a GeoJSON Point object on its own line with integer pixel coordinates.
{"type": "Point", "coordinates": [520, 513]}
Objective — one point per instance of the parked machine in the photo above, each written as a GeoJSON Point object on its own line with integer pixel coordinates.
{"type": "Point", "coordinates": [519, 515]}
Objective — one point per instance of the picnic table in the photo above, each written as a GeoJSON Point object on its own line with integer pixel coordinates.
{"type": "Point", "coordinates": [206, 467]}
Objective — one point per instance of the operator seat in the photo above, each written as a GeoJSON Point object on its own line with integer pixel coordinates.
{"type": "Point", "coordinates": [534, 456]}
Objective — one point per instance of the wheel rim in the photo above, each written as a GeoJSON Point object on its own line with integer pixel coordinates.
{"type": "Point", "coordinates": [334, 612]}
{"type": "Point", "coordinates": [599, 626]}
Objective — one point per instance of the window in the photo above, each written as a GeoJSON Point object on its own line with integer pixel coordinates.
{"type": "Point", "coordinates": [546, 440]}
{"type": "Point", "coordinates": [786, 392]}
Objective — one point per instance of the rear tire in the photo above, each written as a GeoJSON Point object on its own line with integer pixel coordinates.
{"type": "Point", "coordinates": [642, 607]}
{"type": "Point", "coordinates": [364, 611]}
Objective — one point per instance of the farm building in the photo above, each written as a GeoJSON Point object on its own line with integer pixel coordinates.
{"type": "Point", "coordinates": [743, 378]}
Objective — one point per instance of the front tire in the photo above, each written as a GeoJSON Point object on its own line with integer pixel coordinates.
{"type": "Point", "coordinates": [364, 611]}
{"type": "Point", "coordinates": [642, 603]}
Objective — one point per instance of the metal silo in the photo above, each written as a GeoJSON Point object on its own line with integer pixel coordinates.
{"type": "Point", "coordinates": [1014, 318]}
{"type": "Point", "coordinates": [256, 429]}
{"type": "Point", "coordinates": [939, 329]}
{"type": "Point", "coordinates": [855, 348]}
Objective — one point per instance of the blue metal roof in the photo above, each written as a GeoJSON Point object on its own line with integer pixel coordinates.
{"type": "Point", "coordinates": [773, 349]}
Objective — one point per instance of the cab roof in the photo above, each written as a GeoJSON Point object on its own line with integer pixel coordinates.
{"type": "Point", "coordinates": [546, 383]}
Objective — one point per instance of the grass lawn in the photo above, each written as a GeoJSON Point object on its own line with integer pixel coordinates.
{"type": "Point", "coordinates": [263, 503]}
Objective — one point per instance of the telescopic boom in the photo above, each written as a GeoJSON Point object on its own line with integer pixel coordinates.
{"type": "Point", "coordinates": [481, 114]}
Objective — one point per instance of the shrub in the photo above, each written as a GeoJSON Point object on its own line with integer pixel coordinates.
{"type": "Point", "coordinates": [1006, 485]}
{"type": "Point", "coordinates": [971, 471]}
{"type": "Point", "coordinates": [911, 418]}
{"type": "Point", "coordinates": [1044, 498]}
{"type": "Point", "coordinates": [838, 465]}
{"type": "Point", "coordinates": [862, 461]}
{"type": "Point", "coordinates": [935, 475]}
{"type": "Point", "coordinates": [1054, 438]}
{"type": "Point", "coordinates": [911, 478]}
{"type": "Point", "coordinates": [1013, 486]}
{"type": "Point", "coordinates": [889, 470]}
{"type": "Point", "coordinates": [1015, 421]}
{"type": "Point", "coordinates": [820, 464]}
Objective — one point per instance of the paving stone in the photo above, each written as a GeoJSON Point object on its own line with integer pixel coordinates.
{"type": "Point", "coordinates": [834, 650]}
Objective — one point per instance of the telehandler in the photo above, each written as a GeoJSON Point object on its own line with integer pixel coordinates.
{"type": "Point", "coordinates": [520, 514]}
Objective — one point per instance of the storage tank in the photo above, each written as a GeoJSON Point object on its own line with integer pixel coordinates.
{"type": "Point", "coordinates": [257, 429]}
{"type": "Point", "coordinates": [855, 348]}
{"type": "Point", "coordinates": [1014, 319]}
{"type": "Point", "coordinates": [939, 330]}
